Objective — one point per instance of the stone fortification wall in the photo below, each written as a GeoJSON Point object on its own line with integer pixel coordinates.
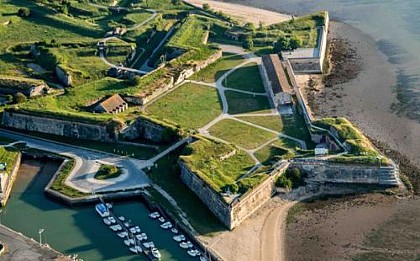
{"type": "Point", "coordinates": [64, 128]}
{"type": "Point", "coordinates": [63, 76]}
{"type": "Point", "coordinates": [233, 214]}
{"type": "Point", "coordinates": [325, 172]}
{"type": "Point", "coordinates": [143, 128]}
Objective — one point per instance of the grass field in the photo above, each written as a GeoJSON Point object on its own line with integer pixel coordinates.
{"type": "Point", "coordinates": [241, 134]}
{"type": "Point", "coordinates": [280, 149]}
{"type": "Point", "coordinates": [246, 103]}
{"type": "Point", "coordinates": [294, 125]}
{"type": "Point", "coordinates": [213, 72]}
{"type": "Point", "coordinates": [166, 175]}
{"type": "Point", "coordinates": [8, 156]}
{"type": "Point", "coordinates": [191, 106]}
{"type": "Point", "coordinates": [270, 122]}
{"type": "Point", "coordinates": [246, 78]}
{"type": "Point", "coordinates": [59, 183]}
{"type": "Point", "coordinates": [204, 157]}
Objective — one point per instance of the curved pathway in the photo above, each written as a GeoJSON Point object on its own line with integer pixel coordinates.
{"type": "Point", "coordinates": [134, 27]}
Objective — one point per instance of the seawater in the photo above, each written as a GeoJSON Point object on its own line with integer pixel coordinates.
{"type": "Point", "coordinates": [77, 230]}
{"type": "Point", "coordinates": [393, 24]}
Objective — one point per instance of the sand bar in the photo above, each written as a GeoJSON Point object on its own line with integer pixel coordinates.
{"type": "Point", "coordinates": [244, 13]}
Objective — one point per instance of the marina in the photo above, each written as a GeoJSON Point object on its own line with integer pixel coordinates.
{"type": "Point", "coordinates": [80, 230]}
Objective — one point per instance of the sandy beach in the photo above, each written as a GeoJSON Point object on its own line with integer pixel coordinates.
{"type": "Point", "coordinates": [243, 13]}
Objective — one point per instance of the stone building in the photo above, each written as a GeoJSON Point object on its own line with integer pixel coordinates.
{"type": "Point", "coordinates": [113, 104]}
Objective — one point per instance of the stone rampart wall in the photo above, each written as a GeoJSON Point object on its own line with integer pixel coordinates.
{"type": "Point", "coordinates": [11, 177]}
{"type": "Point", "coordinates": [64, 128]}
{"type": "Point", "coordinates": [63, 76]}
{"type": "Point", "coordinates": [143, 128]}
{"type": "Point", "coordinates": [233, 214]}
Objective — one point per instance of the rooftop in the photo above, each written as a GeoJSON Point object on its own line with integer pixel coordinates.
{"type": "Point", "coordinates": [276, 74]}
{"type": "Point", "coordinates": [113, 103]}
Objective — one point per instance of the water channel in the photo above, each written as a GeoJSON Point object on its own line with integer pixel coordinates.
{"type": "Point", "coordinates": [77, 230]}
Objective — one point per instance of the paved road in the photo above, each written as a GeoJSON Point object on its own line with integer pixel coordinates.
{"type": "Point", "coordinates": [87, 162]}
{"type": "Point", "coordinates": [21, 248]}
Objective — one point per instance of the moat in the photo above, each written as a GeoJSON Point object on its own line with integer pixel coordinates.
{"type": "Point", "coordinates": [76, 230]}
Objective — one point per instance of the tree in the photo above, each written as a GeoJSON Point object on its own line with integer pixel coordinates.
{"type": "Point", "coordinates": [134, 81]}
{"type": "Point", "coordinates": [283, 182]}
{"type": "Point", "coordinates": [248, 43]}
{"type": "Point", "coordinates": [250, 26]}
{"type": "Point", "coordinates": [176, 2]}
{"type": "Point", "coordinates": [295, 43]}
{"type": "Point", "coordinates": [24, 12]}
{"type": "Point", "coordinates": [206, 7]}
{"type": "Point", "coordinates": [19, 97]}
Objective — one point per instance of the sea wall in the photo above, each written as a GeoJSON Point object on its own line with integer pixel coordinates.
{"type": "Point", "coordinates": [10, 181]}
{"type": "Point", "coordinates": [234, 213]}
{"type": "Point", "coordinates": [64, 128]}
{"type": "Point", "coordinates": [326, 172]}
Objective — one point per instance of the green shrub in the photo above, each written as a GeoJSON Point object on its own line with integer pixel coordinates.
{"type": "Point", "coordinates": [24, 12]}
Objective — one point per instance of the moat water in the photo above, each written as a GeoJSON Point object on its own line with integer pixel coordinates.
{"type": "Point", "coordinates": [77, 230]}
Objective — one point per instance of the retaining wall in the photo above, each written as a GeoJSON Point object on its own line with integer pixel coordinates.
{"type": "Point", "coordinates": [234, 213]}
{"type": "Point", "coordinates": [10, 181]}
{"type": "Point", "coordinates": [64, 128]}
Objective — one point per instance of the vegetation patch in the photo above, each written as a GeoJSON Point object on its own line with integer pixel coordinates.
{"type": "Point", "coordinates": [241, 134]}
{"type": "Point", "coordinates": [350, 135]}
{"type": "Point", "coordinates": [8, 156]}
{"type": "Point", "coordinates": [270, 122]}
{"type": "Point", "coordinates": [108, 172]}
{"type": "Point", "coordinates": [191, 106]}
{"type": "Point", "coordinates": [215, 70]}
{"type": "Point", "coordinates": [279, 149]}
{"type": "Point", "coordinates": [246, 103]}
{"type": "Point", "coordinates": [60, 178]}
{"type": "Point", "coordinates": [19, 83]}
{"type": "Point", "coordinates": [208, 160]}
{"type": "Point", "coordinates": [292, 178]}
{"type": "Point", "coordinates": [246, 78]}
{"type": "Point", "coordinates": [295, 126]}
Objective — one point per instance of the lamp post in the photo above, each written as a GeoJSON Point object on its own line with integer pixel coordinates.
{"type": "Point", "coordinates": [40, 235]}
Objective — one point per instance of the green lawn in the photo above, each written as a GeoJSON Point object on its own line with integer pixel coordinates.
{"type": "Point", "coordinates": [205, 158]}
{"type": "Point", "coordinates": [270, 122]}
{"type": "Point", "coordinates": [108, 172]}
{"type": "Point", "coordinates": [213, 72]}
{"type": "Point", "coordinates": [280, 149]}
{"type": "Point", "coordinates": [8, 155]}
{"type": "Point", "coordinates": [294, 125]}
{"type": "Point", "coordinates": [246, 103]}
{"type": "Point", "coordinates": [241, 134]}
{"type": "Point", "coordinates": [59, 183]}
{"type": "Point", "coordinates": [136, 17]}
{"type": "Point", "coordinates": [166, 175]}
{"type": "Point", "coordinates": [246, 78]}
{"type": "Point", "coordinates": [191, 106]}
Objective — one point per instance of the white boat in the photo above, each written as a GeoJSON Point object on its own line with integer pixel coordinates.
{"type": "Point", "coordinates": [134, 249]}
{"type": "Point", "coordinates": [114, 228]}
{"type": "Point", "coordinates": [174, 230]}
{"type": "Point", "coordinates": [132, 241]}
{"type": "Point", "coordinates": [112, 219]}
{"type": "Point", "coordinates": [166, 225]}
{"type": "Point", "coordinates": [127, 242]}
{"type": "Point", "coordinates": [141, 236]}
{"type": "Point", "coordinates": [133, 230]}
{"type": "Point", "coordinates": [102, 210]}
{"type": "Point", "coordinates": [121, 218]}
{"type": "Point", "coordinates": [139, 249]}
{"type": "Point", "coordinates": [179, 238]}
{"type": "Point", "coordinates": [203, 258]}
{"type": "Point", "coordinates": [161, 219]}
{"type": "Point", "coordinates": [156, 253]}
{"type": "Point", "coordinates": [126, 224]}
{"type": "Point", "coordinates": [186, 244]}
{"type": "Point", "coordinates": [154, 215]}
{"type": "Point", "coordinates": [122, 234]}
{"type": "Point", "coordinates": [193, 252]}
{"type": "Point", "coordinates": [106, 221]}
{"type": "Point", "coordinates": [109, 205]}
{"type": "Point", "coordinates": [138, 230]}
{"type": "Point", "coordinates": [119, 227]}
{"type": "Point", "coordinates": [149, 244]}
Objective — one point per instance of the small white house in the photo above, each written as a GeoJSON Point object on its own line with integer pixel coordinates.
{"type": "Point", "coordinates": [321, 150]}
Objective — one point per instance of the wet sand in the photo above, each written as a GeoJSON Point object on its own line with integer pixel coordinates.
{"type": "Point", "coordinates": [359, 228]}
